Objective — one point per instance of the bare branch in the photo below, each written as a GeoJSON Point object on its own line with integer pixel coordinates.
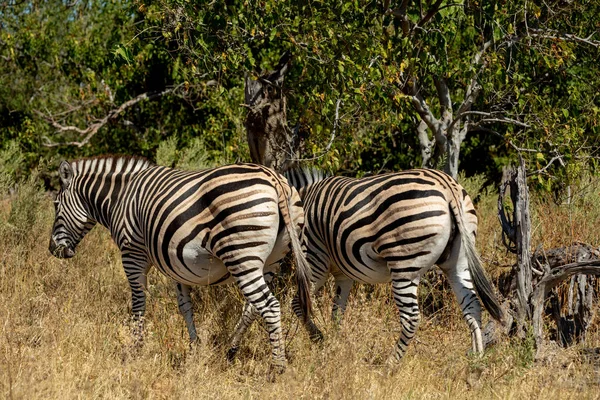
{"type": "Point", "coordinates": [92, 129]}
{"type": "Point", "coordinates": [568, 37]}
{"type": "Point", "coordinates": [400, 13]}
{"type": "Point", "coordinates": [486, 120]}
{"type": "Point", "coordinates": [445, 100]}
{"type": "Point", "coordinates": [473, 89]}
{"type": "Point", "coordinates": [421, 106]}
{"type": "Point", "coordinates": [425, 143]}
{"type": "Point", "coordinates": [435, 8]}
{"type": "Point", "coordinates": [554, 159]}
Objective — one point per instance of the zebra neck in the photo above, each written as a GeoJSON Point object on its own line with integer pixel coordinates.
{"type": "Point", "coordinates": [104, 198]}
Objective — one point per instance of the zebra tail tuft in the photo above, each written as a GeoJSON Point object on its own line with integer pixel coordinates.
{"type": "Point", "coordinates": [483, 286]}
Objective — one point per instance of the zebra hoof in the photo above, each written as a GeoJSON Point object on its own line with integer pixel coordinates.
{"type": "Point", "coordinates": [317, 337]}
{"type": "Point", "coordinates": [275, 370]}
{"type": "Point", "coordinates": [194, 343]}
{"type": "Point", "coordinates": [231, 354]}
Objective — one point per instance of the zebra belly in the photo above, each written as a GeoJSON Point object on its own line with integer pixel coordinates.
{"type": "Point", "coordinates": [200, 267]}
{"type": "Point", "coordinates": [371, 268]}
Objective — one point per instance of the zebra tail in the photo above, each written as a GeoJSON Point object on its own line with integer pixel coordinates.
{"type": "Point", "coordinates": [483, 286]}
{"type": "Point", "coordinates": [303, 271]}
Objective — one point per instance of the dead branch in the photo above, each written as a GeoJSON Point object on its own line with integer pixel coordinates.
{"type": "Point", "coordinates": [567, 37]}
{"type": "Point", "coordinates": [89, 132]}
{"type": "Point", "coordinates": [547, 283]}
{"type": "Point", "coordinates": [548, 165]}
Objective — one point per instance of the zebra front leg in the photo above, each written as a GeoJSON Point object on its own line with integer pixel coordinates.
{"type": "Point", "coordinates": [136, 272]}
{"type": "Point", "coordinates": [249, 314]}
{"type": "Point", "coordinates": [343, 285]}
{"type": "Point", "coordinates": [184, 301]}
{"type": "Point", "coordinates": [404, 291]}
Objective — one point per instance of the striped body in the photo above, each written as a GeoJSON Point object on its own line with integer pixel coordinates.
{"type": "Point", "coordinates": [228, 224]}
{"type": "Point", "coordinates": [393, 228]}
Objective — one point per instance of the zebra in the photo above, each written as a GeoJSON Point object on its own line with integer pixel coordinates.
{"type": "Point", "coordinates": [393, 228]}
{"type": "Point", "coordinates": [228, 224]}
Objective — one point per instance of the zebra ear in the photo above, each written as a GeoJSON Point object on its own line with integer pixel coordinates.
{"type": "Point", "coordinates": [65, 171]}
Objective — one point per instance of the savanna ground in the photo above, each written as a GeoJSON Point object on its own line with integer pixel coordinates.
{"type": "Point", "coordinates": [65, 331]}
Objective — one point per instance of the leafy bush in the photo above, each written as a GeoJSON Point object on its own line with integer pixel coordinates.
{"type": "Point", "coordinates": [26, 205]}
{"type": "Point", "coordinates": [11, 162]}
{"type": "Point", "coordinates": [194, 156]}
{"type": "Point", "coordinates": [166, 154]}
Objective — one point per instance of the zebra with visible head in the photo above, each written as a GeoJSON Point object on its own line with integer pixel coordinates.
{"type": "Point", "coordinates": [393, 228]}
{"type": "Point", "coordinates": [210, 227]}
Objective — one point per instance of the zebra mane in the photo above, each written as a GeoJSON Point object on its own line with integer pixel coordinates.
{"type": "Point", "coordinates": [301, 177]}
{"type": "Point", "coordinates": [103, 164]}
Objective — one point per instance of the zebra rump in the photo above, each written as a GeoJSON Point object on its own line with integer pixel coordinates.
{"type": "Point", "coordinates": [392, 228]}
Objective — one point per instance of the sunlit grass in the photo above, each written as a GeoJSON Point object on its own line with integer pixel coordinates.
{"type": "Point", "coordinates": [65, 332]}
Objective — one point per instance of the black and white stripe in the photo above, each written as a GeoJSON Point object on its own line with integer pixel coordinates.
{"type": "Point", "coordinates": [393, 228]}
{"type": "Point", "coordinates": [228, 224]}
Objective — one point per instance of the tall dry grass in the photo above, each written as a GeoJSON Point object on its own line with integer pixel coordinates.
{"type": "Point", "coordinates": [65, 330]}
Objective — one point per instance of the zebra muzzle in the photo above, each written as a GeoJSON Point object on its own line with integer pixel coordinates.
{"type": "Point", "coordinates": [61, 251]}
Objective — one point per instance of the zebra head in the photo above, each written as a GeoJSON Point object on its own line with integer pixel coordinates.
{"type": "Point", "coordinates": [71, 220]}
{"type": "Point", "coordinates": [266, 91]}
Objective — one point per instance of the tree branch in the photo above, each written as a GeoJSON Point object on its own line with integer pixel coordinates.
{"type": "Point", "coordinates": [421, 106]}
{"type": "Point", "coordinates": [555, 158]}
{"type": "Point", "coordinates": [555, 35]}
{"type": "Point", "coordinates": [430, 13]}
{"type": "Point", "coordinates": [473, 89]}
{"type": "Point", "coordinates": [486, 120]}
{"type": "Point", "coordinates": [445, 100]}
{"type": "Point", "coordinates": [89, 132]}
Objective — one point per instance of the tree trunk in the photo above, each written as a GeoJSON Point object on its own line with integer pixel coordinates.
{"type": "Point", "coordinates": [518, 232]}
{"type": "Point", "coordinates": [532, 285]}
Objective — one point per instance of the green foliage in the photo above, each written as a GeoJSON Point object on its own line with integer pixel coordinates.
{"type": "Point", "coordinates": [193, 157]}
{"type": "Point", "coordinates": [11, 163]}
{"type": "Point", "coordinates": [26, 205]}
{"type": "Point", "coordinates": [78, 62]}
{"type": "Point", "coordinates": [166, 154]}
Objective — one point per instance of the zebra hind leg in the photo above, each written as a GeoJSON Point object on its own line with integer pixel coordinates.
{"type": "Point", "coordinates": [456, 269]}
{"type": "Point", "coordinates": [249, 314]}
{"type": "Point", "coordinates": [404, 290]}
{"type": "Point", "coordinates": [184, 302]}
{"type": "Point", "coordinates": [254, 288]}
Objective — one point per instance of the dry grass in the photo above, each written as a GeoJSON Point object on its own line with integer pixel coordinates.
{"type": "Point", "coordinates": [65, 333]}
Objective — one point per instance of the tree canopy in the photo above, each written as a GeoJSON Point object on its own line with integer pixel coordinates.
{"type": "Point", "coordinates": [404, 84]}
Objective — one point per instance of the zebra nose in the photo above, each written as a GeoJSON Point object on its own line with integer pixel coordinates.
{"type": "Point", "coordinates": [68, 252]}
